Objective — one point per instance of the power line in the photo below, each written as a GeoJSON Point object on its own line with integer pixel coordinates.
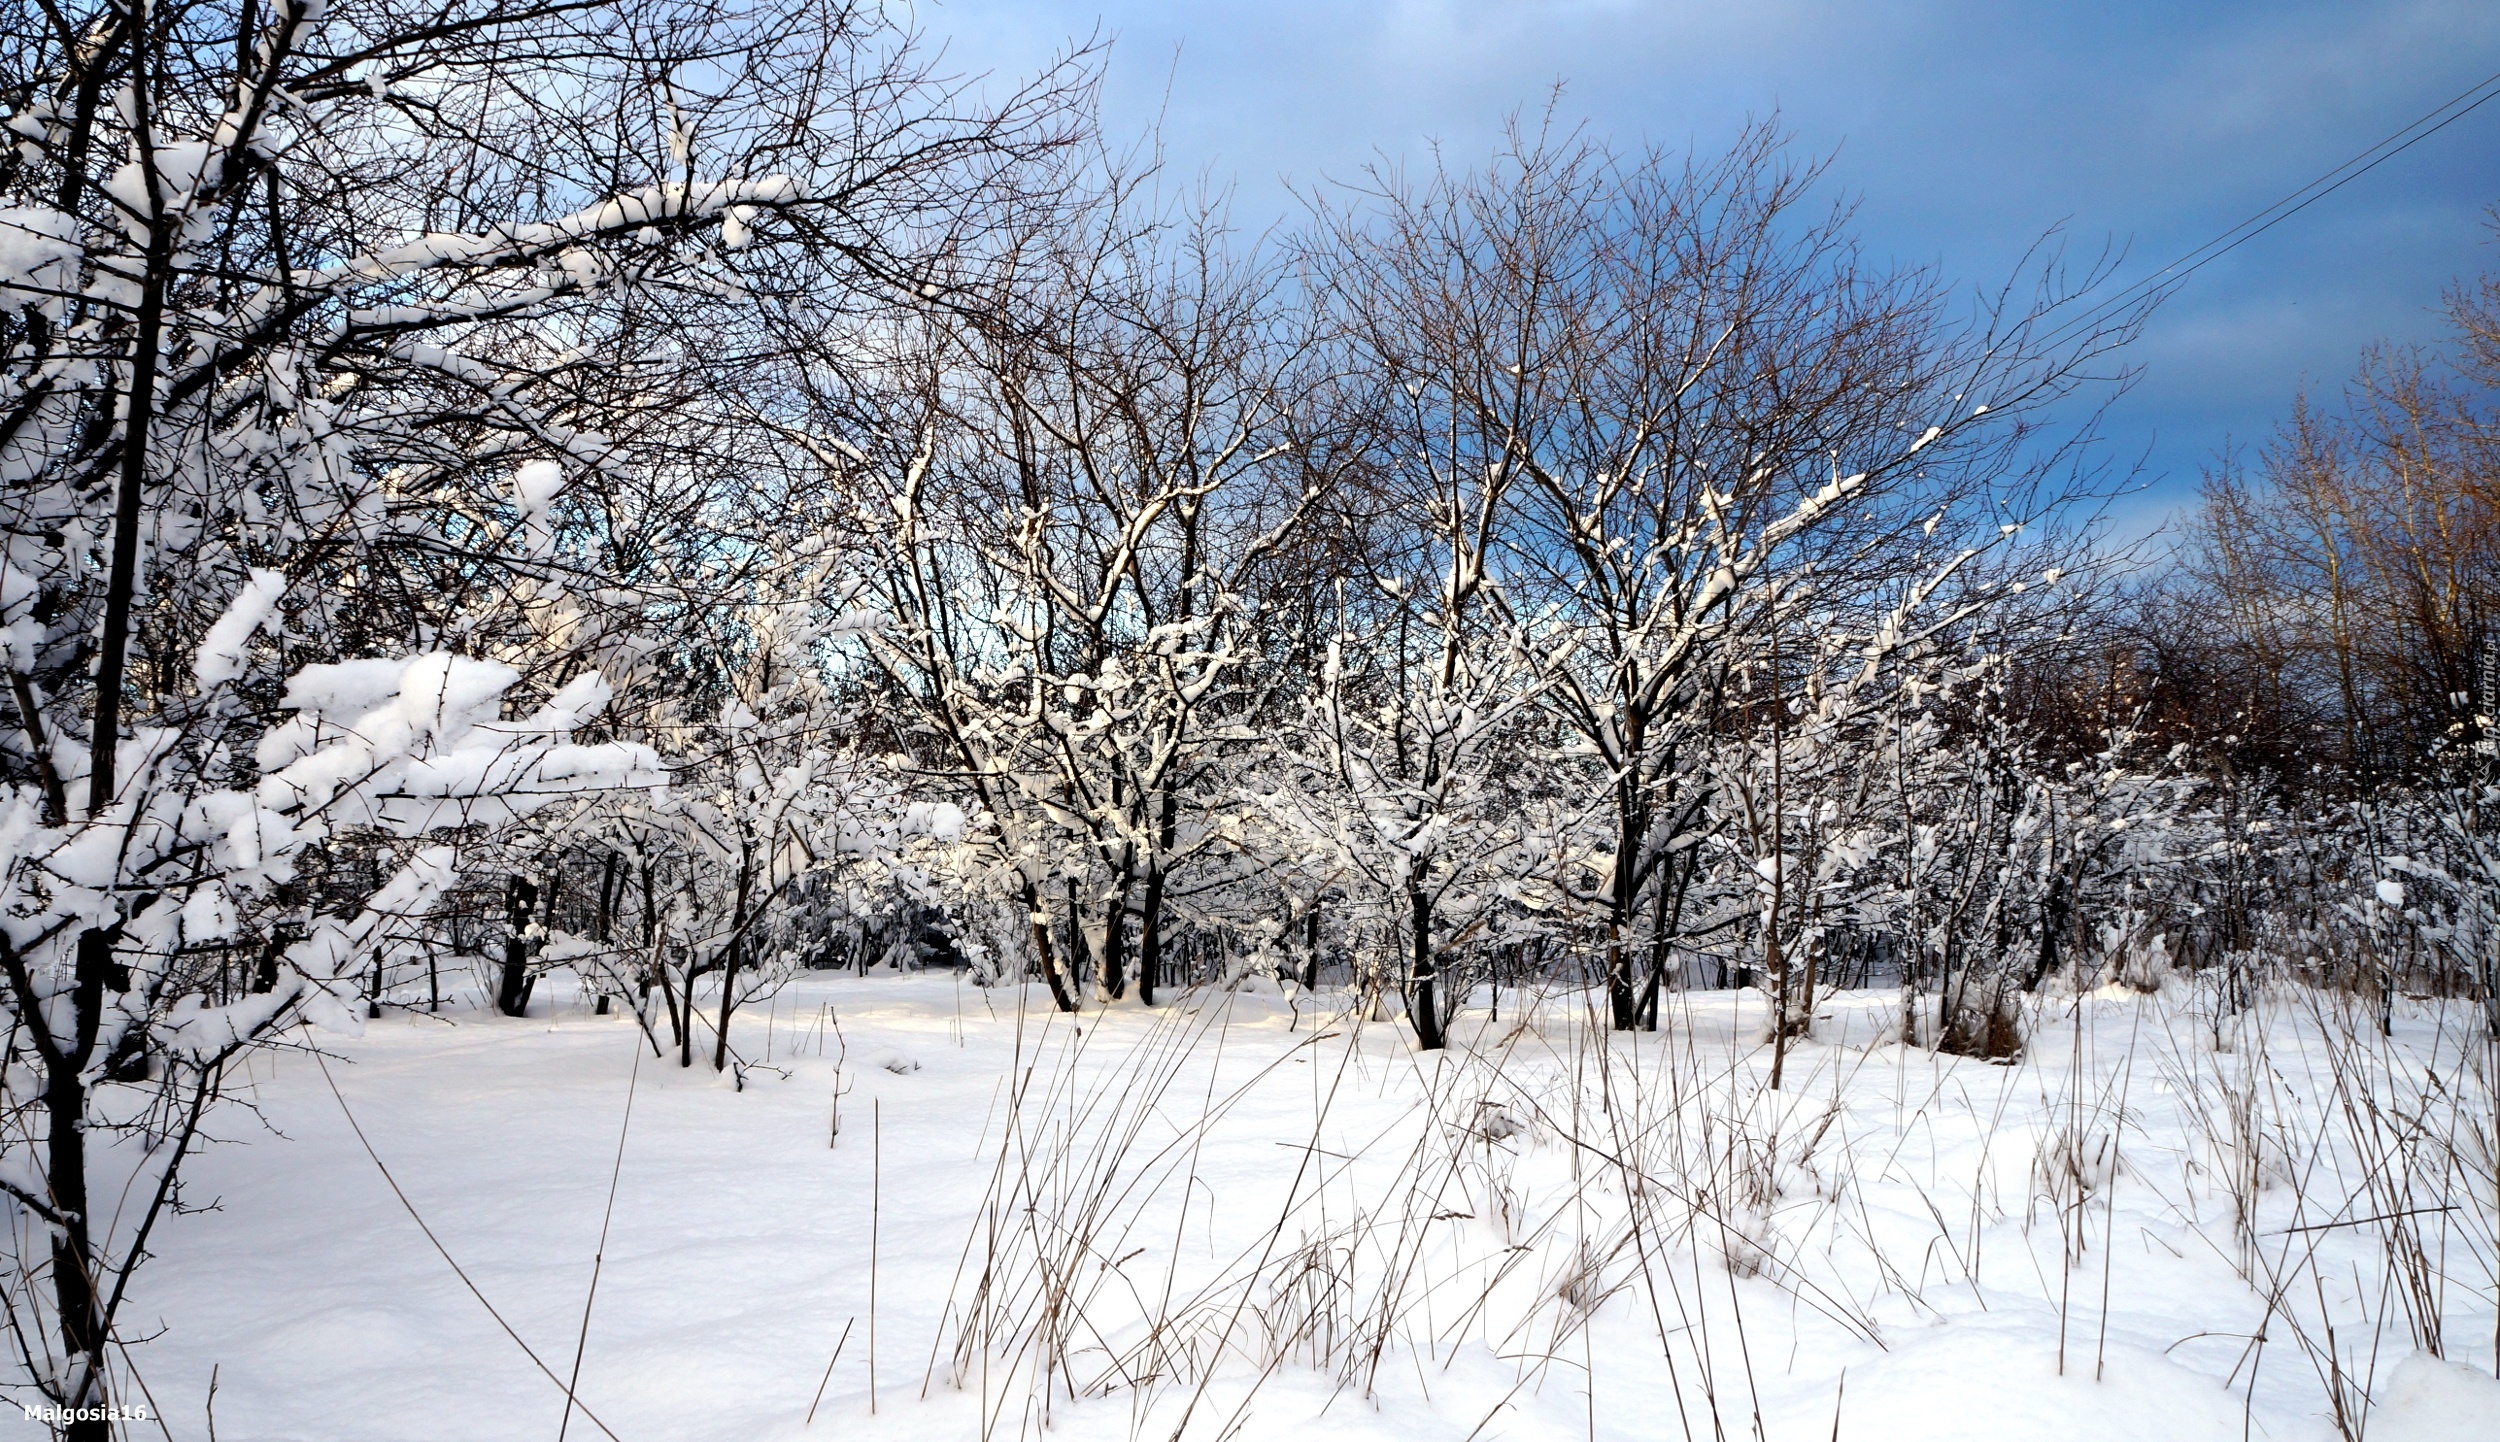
{"type": "Point", "coordinates": [2169, 277]}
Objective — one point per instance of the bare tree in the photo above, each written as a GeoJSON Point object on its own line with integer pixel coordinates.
{"type": "Point", "coordinates": [1678, 413]}
{"type": "Point", "coordinates": [1102, 467]}
{"type": "Point", "coordinates": [300, 306]}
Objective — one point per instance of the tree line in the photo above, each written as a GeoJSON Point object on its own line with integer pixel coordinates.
{"type": "Point", "coordinates": [677, 493]}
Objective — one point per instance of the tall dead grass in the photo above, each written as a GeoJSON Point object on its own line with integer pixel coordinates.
{"type": "Point", "coordinates": [1549, 1173]}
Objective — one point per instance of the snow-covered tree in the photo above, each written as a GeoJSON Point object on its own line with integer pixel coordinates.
{"type": "Point", "coordinates": [1094, 481]}
{"type": "Point", "coordinates": [774, 792]}
{"type": "Point", "coordinates": [1662, 395]}
{"type": "Point", "coordinates": [310, 318]}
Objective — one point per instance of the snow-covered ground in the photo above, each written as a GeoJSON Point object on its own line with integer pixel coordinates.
{"type": "Point", "coordinates": [1249, 1216]}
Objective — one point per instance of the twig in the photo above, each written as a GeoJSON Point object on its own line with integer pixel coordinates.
{"type": "Point", "coordinates": [2364, 1221]}
{"type": "Point", "coordinates": [876, 1200]}
{"type": "Point", "coordinates": [838, 1344]}
{"type": "Point", "coordinates": [581, 1342]}
{"type": "Point", "coordinates": [445, 1252]}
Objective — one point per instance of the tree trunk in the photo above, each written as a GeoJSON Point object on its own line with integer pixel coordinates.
{"type": "Point", "coordinates": [1663, 916]}
{"type": "Point", "coordinates": [680, 1019]}
{"type": "Point", "coordinates": [1150, 939]}
{"type": "Point", "coordinates": [2052, 923]}
{"type": "Point", "coordinates": [1423, 1003]}
{"type": "Point", "coordinates": [654, 966]}
{"type": "Point", "coordinates": [1080, 954]}
{"type": "Point", "coordinates": [512, 989]}
{"type": "Point", "coordinates": [546, 925]}
{"type": "Point", "coordinates": [729, 962]}
{"type": "Point", "coordinates": [1623, 1004]}
{"type": "Point", "coordinates": [728, 1003]}
{"type": "Point", "coordinates": [1114, 958]}
{"type": "Point", "coordinates": [74, 1264]}
{"type": "Point", "coordinates": [265, 967]}
{"type": "Point", "coordinates": [75, 1267]}
{"type": "Point", "coordinates": [1775, 971]}
{"type": "Point", "coordinates": [610, 874]}
{"type": "Point", "coordinates": [1039, 921]}
{"type": "Point", "coordinates": [1167, 832]}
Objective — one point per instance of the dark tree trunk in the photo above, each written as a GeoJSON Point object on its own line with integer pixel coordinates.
{"type": "Point", "coordinates": [1423, 1003]}
{"type": "Point", "coordinates": [1167, 832]}
{"type": "Point", "coordinates": [73, 1254]}
{"type": "Point", "coordinates": [74, 1262]}
{"type": "Point", "coordinates": [680, 1019]}
{"type": "Point", "coordinates": [653, 965]}
{"type": "Point", "coordinates": [611, 874]}
{"type": "Point", "coordinates": [1623, 1002]}
{"type": "Point", "coordinates": [1150, 939]}
{"type": "Point", "coordinates": [2052, 923]}
{"type": "Point", "coordinates": [685, 1023]}
{"type": "Point", "coordinates": [1080, 952]}
{"type": "Point", "coordinates": [729, 962]}
{"type": "Point", "coordinates": [1114, 959]}
{"type": "Point", "coordinates": [1647, 1007]}
{"type": "Point", "coordinates": [512, 989]}
{"type": "Point", "coordinates": [1775, 974]}
{"type": "Point", "coordinates": [1669, 913]}
{"type": "Point", "coordinates": [546, 925]}
{"type": "Point", "coordinates": [265, 967]}
{"type": "Point", "coordinates": [1039, 922]}
{"type": "Point", "coordinates": [728, 1003]}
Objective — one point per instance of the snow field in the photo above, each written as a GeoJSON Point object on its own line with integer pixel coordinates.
{"type": "Point", "coordinates": [1257, 1215]}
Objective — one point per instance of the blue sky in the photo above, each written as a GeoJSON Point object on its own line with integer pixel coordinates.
{"type": "Point", "coordinates": [1963, 129]}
